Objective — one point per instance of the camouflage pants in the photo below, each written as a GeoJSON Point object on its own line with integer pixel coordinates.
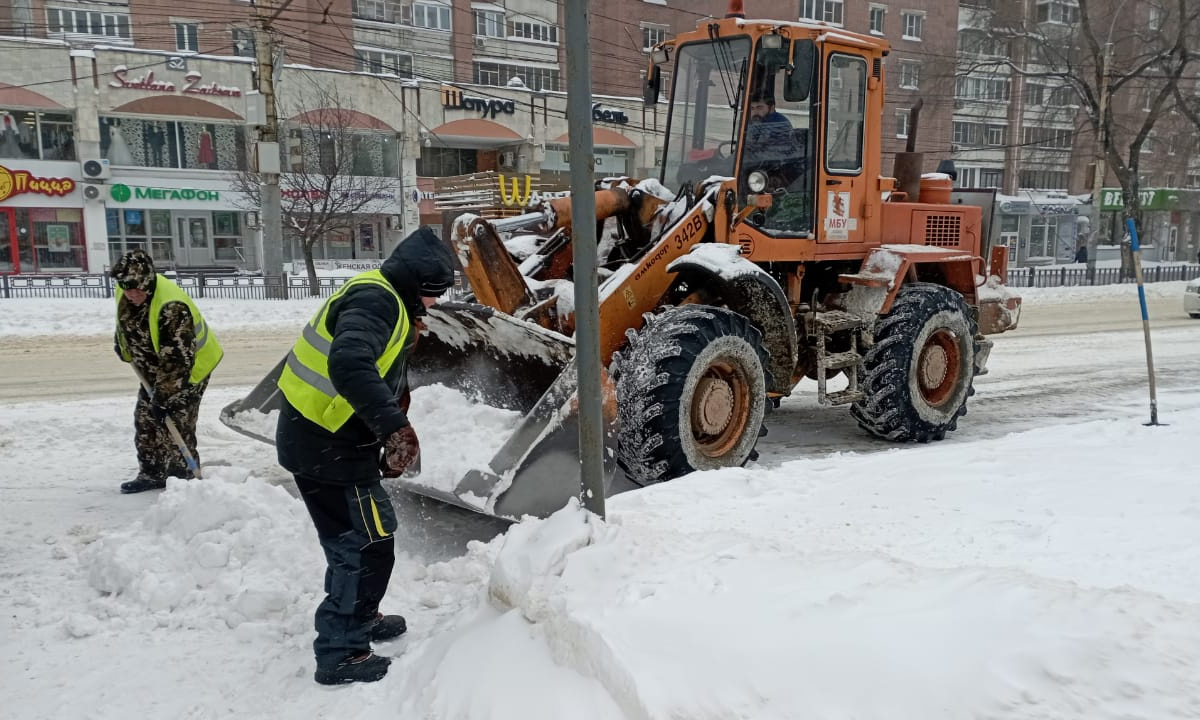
{"type": "Point", "coordinates": [158, 456]}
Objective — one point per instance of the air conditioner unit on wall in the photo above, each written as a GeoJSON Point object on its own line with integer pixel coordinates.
{"type": "Point", "coordinates": [92, 192]}
{"type": "Point", "coordinates": [480, 43]}
{"type": "Point", "coordinates": [508, 158]}
{"type": "Point", "coordinates": [96, 169]}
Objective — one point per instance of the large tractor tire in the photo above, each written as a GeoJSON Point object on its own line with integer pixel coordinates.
{"type": "Point", "coordinates": [920, 370]}
{"type": "Point", "coordinates": [691, 393]}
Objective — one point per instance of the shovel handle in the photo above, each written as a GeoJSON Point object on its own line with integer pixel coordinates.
{"type": "Point", "coordinates": [192, 465]}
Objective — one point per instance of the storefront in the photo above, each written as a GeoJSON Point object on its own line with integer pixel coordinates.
{"type": "Point", "coordinates": [182, 223]}
{"type": "Point", "coordinates": [1170, 222]}
{"type": "Point", "coordinates": [41, 221]}
{"type": "Point", "coordinates": [1041, 228]}
{"type": "Point", "coordinates": [612, 152]}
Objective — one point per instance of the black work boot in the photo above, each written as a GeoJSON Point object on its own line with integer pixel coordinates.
{"type": "Point", "coordinates": [142, 483]}
{"type": "Point", "coordinates": [364, 667]}
{"type": "Point", "coordinates": [386, 627]}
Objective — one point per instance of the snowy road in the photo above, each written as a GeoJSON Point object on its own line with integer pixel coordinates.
{"type": "Point", "coordinates": [999, 574]}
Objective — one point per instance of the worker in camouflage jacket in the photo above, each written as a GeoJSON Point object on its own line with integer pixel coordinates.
{"type": "Point", "coordinates": [161, 333]}
{"type": "Point", "coordinates": [344, 422]}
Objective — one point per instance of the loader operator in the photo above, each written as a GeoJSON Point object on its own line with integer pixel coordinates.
{"type": "Point", "coordinates": [161, 333]}
{"type": "Point", "coordinates": [345, 398]}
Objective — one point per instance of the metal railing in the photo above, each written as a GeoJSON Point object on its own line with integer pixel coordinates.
{"type": "Point", "coordinates": [1069, 276]}
{"type": "Point", "coordinates": [288, 287]}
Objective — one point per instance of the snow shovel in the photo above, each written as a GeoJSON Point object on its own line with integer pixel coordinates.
{"type": "Point", "coordinates": [192, 465]}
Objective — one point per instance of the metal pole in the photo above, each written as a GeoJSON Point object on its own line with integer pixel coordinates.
{"type": "Point", "coordinates": [271, 210]}
{"type": "Point", "coordinates": [1101, 167]}
{"type": "Point", "coordinates": [583, 232]}
{"type": "Point", "coordinates": [1137, 272]}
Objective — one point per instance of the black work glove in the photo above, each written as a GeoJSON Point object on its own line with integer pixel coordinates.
{"type": "Point", "coordinates": [400, 451]}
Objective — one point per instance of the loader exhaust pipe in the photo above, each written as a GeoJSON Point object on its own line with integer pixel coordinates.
{"type": "Point", "coordinates": [736, 9]}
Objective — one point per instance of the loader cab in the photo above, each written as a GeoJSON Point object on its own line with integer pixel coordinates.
{"type": "Point", "coordinates": [741, 107]}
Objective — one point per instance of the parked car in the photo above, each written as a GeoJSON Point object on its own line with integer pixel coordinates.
{"type": "Point", "coordinates": [1191, 298]}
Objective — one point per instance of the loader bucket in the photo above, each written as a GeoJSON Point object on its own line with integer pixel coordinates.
{"type": "Point", "coordinates": [497, 360]}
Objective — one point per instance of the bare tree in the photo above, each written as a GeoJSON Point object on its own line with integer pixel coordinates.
{"type": "Point", "coordinates": [1122, 60]}
{"type": "Point", "coordinates": [335, 171]}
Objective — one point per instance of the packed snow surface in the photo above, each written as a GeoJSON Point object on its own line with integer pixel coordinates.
{"type": "Point", "coordinates": [1041, 573]}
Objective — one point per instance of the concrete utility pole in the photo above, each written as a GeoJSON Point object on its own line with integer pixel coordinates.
{"type": "Point", "coordinates": [267, 151]}
{"type": "Point", "coordinates": [583, 239]}
{"type": "Point", "coordinates": [1101, 165]}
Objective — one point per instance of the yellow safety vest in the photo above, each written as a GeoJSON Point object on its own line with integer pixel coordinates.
{"type": "Point", "coordinates": [305, 378]}
{"type": "Point", "coordinates": [208, 350]}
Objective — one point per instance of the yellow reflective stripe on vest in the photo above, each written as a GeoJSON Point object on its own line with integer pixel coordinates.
{"type": "Point", "coordinates": [305, 380]}
{"type": "Point", "coordinates": [208, 354]}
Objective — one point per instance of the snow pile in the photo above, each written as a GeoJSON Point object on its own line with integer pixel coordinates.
{"type": "Point", "coordinates": [200, 551]}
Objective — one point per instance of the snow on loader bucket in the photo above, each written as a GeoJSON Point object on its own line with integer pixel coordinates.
{"type": "Point", "coordinates": [501, 361]}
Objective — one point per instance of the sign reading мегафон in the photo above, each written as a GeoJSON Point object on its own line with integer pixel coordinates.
{"type": "Point", "coordinates": [125, 193]}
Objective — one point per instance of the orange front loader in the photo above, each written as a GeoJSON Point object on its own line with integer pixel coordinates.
{"type": "Point", "coordinates": [771, 248]}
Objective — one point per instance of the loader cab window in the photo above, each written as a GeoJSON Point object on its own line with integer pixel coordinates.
{"type": "Point", "coordinates": [845, 114]}
{"type": "Point", "coordinates": [705, 111]}
{"type": "Point", "coordinates": [778, 149]}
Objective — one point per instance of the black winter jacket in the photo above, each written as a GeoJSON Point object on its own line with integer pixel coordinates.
{"type": "Point", "coordinates": [361, 323]}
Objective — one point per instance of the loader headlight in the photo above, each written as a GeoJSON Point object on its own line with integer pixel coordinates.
{"type": "Point", "coordinates": [757, 181]}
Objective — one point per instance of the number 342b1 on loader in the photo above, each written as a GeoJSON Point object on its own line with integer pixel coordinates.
{"type": "Point", "coordinates": [780, 252]}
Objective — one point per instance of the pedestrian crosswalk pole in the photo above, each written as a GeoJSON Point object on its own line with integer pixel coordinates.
{"type": "Point", "coordinates": [1137, 273]}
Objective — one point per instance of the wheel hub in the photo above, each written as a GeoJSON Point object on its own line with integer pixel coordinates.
{"type": "Point", "coordinates": [933, 366]}
{"type": "Point", "coordinates": [714, 405]}
{"type": "Point", "coordinates": [938, 370]}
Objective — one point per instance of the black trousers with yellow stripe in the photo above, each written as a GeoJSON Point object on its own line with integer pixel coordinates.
{"type": "Point", "coordinates": [355, 524]}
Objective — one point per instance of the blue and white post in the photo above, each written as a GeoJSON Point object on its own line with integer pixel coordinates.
{"type": "Point", "coordinates": [1137, 273]}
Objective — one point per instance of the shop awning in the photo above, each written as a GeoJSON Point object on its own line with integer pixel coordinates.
{"type": "Point", "coordinates": [473, 133]}
{"type": "Point", "coordinates": [341, 118]}
{"type": "Point", "coordinates": [601, 137]}
{"type": "Point", "coordinates": [12, 96]}
{"type": "Point", "coordinates": [175, 105]}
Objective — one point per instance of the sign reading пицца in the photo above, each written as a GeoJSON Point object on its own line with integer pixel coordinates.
{"type": "Point", "coordinates": [19, 182]}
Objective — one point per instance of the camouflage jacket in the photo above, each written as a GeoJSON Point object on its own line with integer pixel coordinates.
{"type": "Point", "coordinates": [168, 370]}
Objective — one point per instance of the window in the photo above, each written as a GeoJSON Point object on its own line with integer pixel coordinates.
{"type": "Point", "coordinates": [29, 135]}
{"type": "Point", "coordinates": [1065, 12]}
{"type": "Point", "coordinates": [1064, 96]}
{"type": "Point", "coordinates": [243, 42]}
{"type": "Point", "coordinates": [910, 75]}
{"type": "Point", "coordinates": [83, 22]}
{"type": "Point", "coordinates": [967, 134]}
{"type": "Point", "coordinates": [995, 135]}
{"type": "Point", "coordinates": [169, 144]}
{"type": "Point", "coordinates": [534, 78]}
{"type": "Point", "coordinates": [434, 17]}
{"type": "Point", "coordinates": [380, 62]}
{"type": "Point", "coordinates": [1049, 138]}
{"type": "Point", "coordinates": [1193, 181]}
{"type": "Point", "coordinates": [489, 24]}
{"type": "Point", "coordinates": [914, 23]}
{"type": "Point", "coordinates": [877, 15]}
{"type": "Point", "coordinates": [1034, 93]}
{"type": "Point", "coordinates": [186, 37]}
{"type": "Point", "coordinates": [388, 11]}
{"type": "Point", "coordinates": [1154, 19]}
{"type": "Point", "coordinates": [1044, 179]}
{"type": "Point", "coordinates": [990, 178]}
{"type": "Point", "coordinates": [443, 162]}
{"type": "Point", "coordinates": [974, 88]}
{"type": "Point", "coordinates": [653, 35]}
{"type": "Point", "coordinates": [846, 114]}
{"type": "Point", "coordinates": [533, 30]}
{"type": "Point", "coordinates": [901, 123]}
{"type": "Point", "coordinates": [829, 11]}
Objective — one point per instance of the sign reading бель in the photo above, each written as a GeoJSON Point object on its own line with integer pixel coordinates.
{"type": "Point", "coordinates": [124, 193]}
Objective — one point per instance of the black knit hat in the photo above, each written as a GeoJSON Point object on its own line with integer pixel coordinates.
{"type": "Point", "coordinates": [134, 271]}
